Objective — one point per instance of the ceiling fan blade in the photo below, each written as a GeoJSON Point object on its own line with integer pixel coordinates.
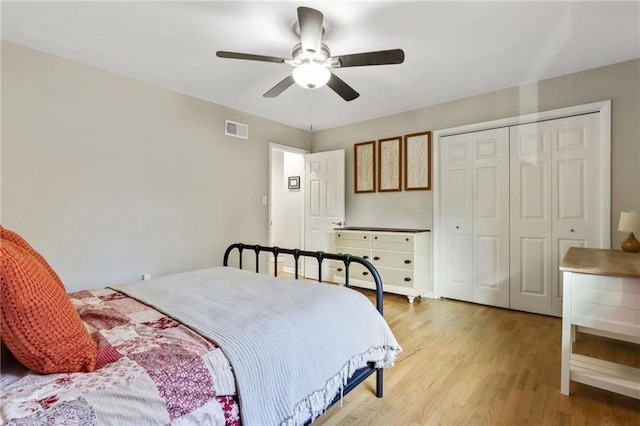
{"type": "Point", "coordinates": [345, 91]}
{"type": "Point", "coordinates": [310, 21]}
{"type": "Point", "coordinates": [382, 57]}
{"type": "Point", "coordinates": [280, 87]}
{"type": "Point", "coordinates": [249, 57]}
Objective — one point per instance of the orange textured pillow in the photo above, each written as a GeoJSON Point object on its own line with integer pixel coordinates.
{"type": "Point", "coordinates": [39, 324]}
{"type": "Point", "coordinates": [8, 235]}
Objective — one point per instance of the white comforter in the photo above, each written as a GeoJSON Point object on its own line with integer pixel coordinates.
{"type": "Point", "coordinates": [292, 344]}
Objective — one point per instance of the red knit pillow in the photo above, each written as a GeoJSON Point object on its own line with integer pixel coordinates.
{"type": "Point", "coordinates": [39, 324]}
{"type": "Point", "coordinates": [16, 239]}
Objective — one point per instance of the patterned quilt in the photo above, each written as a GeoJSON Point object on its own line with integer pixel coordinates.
{"type": "Point", "coordinates": [151, 370]}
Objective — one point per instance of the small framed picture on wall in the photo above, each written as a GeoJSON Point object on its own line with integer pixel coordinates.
{"type": "Point", "coordinates": [417, 161]}
{"type": "Point", "coordinates": [364, 155]}
{"type": "Point", "coordinates": [390, 153]}
{"type": "Point", "coordinates": [294, 182]}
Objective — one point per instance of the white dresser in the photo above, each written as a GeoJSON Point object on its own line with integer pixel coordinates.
{"type": "Point", "coordinates": [401, 256]}
{"type": "Point", "coordinates": [601, 296]}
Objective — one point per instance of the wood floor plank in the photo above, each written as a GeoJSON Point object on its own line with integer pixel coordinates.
{"type": "Point", "coordinates": [467, 364]}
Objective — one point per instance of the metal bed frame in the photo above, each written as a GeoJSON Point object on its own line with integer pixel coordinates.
{"type": "Point", "coordinates": [360, 375]}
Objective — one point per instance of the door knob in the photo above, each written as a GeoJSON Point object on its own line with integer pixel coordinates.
{"type": "Point", "coordinates": [338, 223]}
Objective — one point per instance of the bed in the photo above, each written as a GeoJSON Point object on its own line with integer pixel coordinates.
{"type": "Point", "coordinates": [218, 346]}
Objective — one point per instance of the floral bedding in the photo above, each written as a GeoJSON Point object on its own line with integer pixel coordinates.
{"type": "Point", "coordinates": [151, 370]}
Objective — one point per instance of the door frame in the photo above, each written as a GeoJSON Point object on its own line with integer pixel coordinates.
{"type": "Point", "coordinates": [285, 148]}
{"type": "Point", "coordinates": [603, 107]}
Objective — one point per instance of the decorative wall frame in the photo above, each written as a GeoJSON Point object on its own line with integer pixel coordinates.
{"type": "Point", "coordinates": [389, 164]}
{"type": "Point", "coordinates": [364, 155]}
{"type": "Point", "coordinates": [417, 161]}
{"type": "Point", "coordinates": [294, 182]}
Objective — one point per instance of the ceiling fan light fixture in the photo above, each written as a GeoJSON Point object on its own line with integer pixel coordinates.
{"type": "Point", "coordinates": [311, 75]}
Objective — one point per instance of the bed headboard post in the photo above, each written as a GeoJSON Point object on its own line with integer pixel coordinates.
{"type": "Point", "coordinates": [319, 256]}
{"type": "Point", "coordinates": [347, 262]}
{"type": "Point", "coordinates": [257, 249]}
{"type": "Point", "coordinates": [275, 251]}
{"type": "Point", "coordinates": [296, 256]}
{"type": "Point", "coordinates": [240, 247]}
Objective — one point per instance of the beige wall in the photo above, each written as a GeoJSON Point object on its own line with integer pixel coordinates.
{"type": "Point", "coordinates": [110, 178]}
{"type": "Point", "coordinates": [618, 82]}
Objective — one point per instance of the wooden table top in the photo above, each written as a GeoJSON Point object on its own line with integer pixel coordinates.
{"type": "Point", "coordinates": [374, 229]}
{"type": "Point", "coordinates": [601, 262]}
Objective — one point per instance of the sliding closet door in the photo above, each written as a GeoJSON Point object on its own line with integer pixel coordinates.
{"type": "Point", "coordinates": [555, 204]}
{"type": "Point", "coordinates": [456, 159]}
{"type": "Point", "coordinates": [475, 217]}
{"type": "Point", "coordinates": [531, 243]}
{"type": "Point", "coordinates": [491, 217]}
{"type": "Point", "coordinates": [576, 192]}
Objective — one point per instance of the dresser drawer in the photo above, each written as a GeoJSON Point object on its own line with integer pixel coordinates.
{"type": "Point", "coordinates": [365, 253]}
{"type": "Point", "coordinates": [393, 238]}
{"type": "Point", "coordinates": [356, 272]}
{"type": "Point", "coordinates": [389, 245]}
{"type": "Point", "coordinates": [348, 239]}
{"type": "Point", "coordinates": [397, 277]}
{"type": "Point", "coordinates": [393, 259]}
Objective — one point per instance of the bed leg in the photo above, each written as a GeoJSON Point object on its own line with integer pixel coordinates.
{"type": "Point", "coordinates": [379, 382]}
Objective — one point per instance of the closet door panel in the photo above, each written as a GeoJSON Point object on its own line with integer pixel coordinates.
{"type": "Point", "coordinates": [530, 215]}
{"type": "Point", "coordinates": [575, 190]}
{"type": "Point", "coordinates": [491, 217]}
{"type": "Point", "coordinates": [456, 208]}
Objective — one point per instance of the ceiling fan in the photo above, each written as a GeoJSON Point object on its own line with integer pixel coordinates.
{"type": "Point", "coordinates": [312, 59]}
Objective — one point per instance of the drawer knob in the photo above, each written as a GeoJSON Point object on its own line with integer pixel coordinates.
{"type": "Point", "coordinates": [339, 269]}
{"type": "Point", "coordinates": [365, 273]}
{"type": "Point", "coordinates": [339, 235]}
{"type": "Point", "coordinates": [573, 230]}
{"type": "Point", "coordinates": [376, 258]}
{"type": "Point", "coordinates": [365, 237]}
{"type": "Point", "coordinates": [365, 257]}
{"type": "Point", "coordinates": [407, 261]}
{"type": "Point", "coordinates": [406, 239]}
{"type": "Point", "coordinates": [375, 238]}
{"type": "Point", "coordinates": [407, 279]}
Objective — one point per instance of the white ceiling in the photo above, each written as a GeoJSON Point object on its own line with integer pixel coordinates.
{"type": "Point", "coordinates": [452, 49]}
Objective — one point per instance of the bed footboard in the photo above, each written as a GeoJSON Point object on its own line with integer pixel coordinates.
{"type": "Point", "coordinates": [360, 375]}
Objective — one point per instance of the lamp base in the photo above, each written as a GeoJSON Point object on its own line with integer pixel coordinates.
{"type": "Point", "coordinates": [631, 245]}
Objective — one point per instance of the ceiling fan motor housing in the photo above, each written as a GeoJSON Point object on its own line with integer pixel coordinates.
{"type": "Point", "coordinates": [301, 56]}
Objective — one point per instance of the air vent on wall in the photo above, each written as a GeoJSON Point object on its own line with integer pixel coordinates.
{"type": "Point", "coordinates": [237, 130]}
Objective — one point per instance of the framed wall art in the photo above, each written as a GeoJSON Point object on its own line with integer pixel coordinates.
{"type": "Point", "coordinates": [364, 155]}
{"type": "Point", "coordinates": [389, 164]}
{"type": "Point", "coordinates": [417, 161]}
{"type": "Point", "coordinates": [294, 182]}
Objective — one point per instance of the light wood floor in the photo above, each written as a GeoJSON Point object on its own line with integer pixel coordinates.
{"type": "Point", "coordinates": [470, 364]}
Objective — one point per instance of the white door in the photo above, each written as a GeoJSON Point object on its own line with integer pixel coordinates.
{"type": "Point", "coordinates": [576, 193]}
{"type": "Point", "coordinates": [456, 160]}
{"type": "Point", "coordinates": [475, 217]}
{"type": "Point", "coordinates": [324, 205]}
{"type": "Point", "coordinates": [491, 217]}
{"type": "Point", "coordinates": [555, 204]}
{"type": "Point", "coordinates": [531, 217]}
